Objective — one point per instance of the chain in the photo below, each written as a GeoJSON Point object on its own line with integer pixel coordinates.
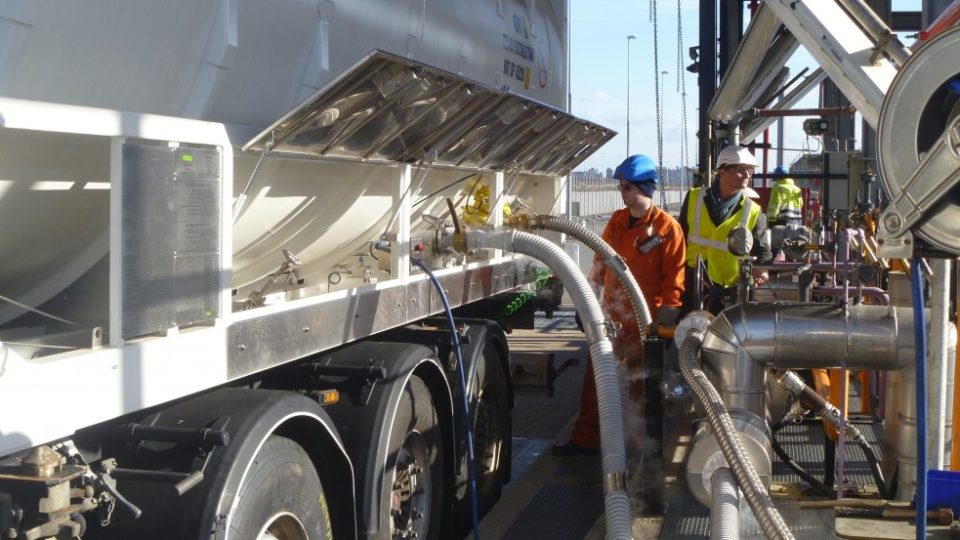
{"type": "Point", "coordinates": [679, 47]}
{"type": "Point", "coordinates": [656, 87]}
{"type": "Point", "coordinates": [682, 88]}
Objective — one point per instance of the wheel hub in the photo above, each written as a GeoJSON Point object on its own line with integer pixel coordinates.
{"type": "Point", "coordinates": [409, 500]}
{"type": "Point", "coordinates": [283, 526]}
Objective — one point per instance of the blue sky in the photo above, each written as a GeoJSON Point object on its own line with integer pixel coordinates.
{"type": "Point", "coordinates": [599, 77]}
{"type": "Point", "coordinates": [599, 65]}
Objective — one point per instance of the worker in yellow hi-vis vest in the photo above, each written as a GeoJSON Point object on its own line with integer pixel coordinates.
{"type": "Point", "coordinates": [708, 215]}
{"type": "Point", "coordinates": [786, 200]}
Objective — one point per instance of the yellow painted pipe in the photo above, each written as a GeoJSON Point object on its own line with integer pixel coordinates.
{"type": "Point", "coordinates": [865, 397]}
{"type": "Point", "coordinates": [840, 401]}
{"type": "Point", "coordinates": [822, 383]}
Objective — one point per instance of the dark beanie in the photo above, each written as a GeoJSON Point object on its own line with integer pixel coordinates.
{"type": "Point", "coordinates": [647, 187]}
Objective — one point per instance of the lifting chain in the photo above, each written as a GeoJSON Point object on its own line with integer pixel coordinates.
{"type": "Point", "coordinates": [656, 87]}
{"type": "Point", "coordinates": [682, 88]}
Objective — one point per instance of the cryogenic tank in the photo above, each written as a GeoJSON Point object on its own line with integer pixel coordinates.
{"type": "Point", "coordinates": [500, 65]}
{"type": "Point", "coordinates": [248, 62]}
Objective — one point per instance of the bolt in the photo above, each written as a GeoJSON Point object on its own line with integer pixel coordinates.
{"type": "Point", "coordinates": [892, 222]}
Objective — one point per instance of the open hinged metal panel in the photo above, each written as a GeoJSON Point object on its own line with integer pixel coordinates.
{"type": "Point", "coordinates": [390, 108]}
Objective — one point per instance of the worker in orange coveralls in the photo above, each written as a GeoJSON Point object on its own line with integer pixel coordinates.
{"type": "Point", "coordinates": [652, 244]}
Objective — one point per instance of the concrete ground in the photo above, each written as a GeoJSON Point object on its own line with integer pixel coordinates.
{"type": "Point", "coordinates": [550, 497]}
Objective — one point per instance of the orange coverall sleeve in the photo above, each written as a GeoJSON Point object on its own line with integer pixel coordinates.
{"type": "Point", "coordinates": [673, 262]}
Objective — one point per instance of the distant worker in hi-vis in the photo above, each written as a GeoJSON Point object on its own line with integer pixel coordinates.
{"type": "Point", "coordinates": [652, 245]}
{"type": "Point", "coordinates": [786, 200]}
{"type": "Point", "coordinates": [709, 217]}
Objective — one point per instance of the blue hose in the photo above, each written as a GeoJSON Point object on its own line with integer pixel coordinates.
{"type": "Point", "coordinates": [464, 401]}
{"type": "Point", "coordinates": [920, 338]}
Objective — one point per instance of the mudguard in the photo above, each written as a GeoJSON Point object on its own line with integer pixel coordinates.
{"type": "Point", "coordinates": [248, 416]}
{"type": "Point", "coordinates": [475, 336]}
{"type": "Point", "coordinates": [364, 414]}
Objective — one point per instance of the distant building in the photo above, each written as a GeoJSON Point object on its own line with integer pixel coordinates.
{"type": "Point", "coordinates": [592, 179]}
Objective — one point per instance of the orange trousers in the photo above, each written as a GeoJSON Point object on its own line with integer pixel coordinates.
{"type": "Point", "coordinates": [586, 428]}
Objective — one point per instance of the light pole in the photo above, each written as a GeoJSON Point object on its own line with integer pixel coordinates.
{"type": "Point", "coordinates": [663, 97]}
{"type": "Point", "coordinates": [663, 93]}
{"type": "Point", "coordinates": [630, 38]}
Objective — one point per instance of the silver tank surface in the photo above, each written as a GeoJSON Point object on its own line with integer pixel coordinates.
{"type": "Point", "coordinates": [249, 62]}
{"type": "Point", "coordinates": [243, 63]}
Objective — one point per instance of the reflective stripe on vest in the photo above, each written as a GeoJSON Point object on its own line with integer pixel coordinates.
{"type": "Point", "coordinates": [789, 199]}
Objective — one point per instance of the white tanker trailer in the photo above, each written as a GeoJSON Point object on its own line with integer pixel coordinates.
{"type": "Point", "coordinates": [203, 333]}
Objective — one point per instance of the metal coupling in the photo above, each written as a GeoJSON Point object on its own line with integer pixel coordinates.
{"type": "Point", "coordinates": [619, 264]}
{"type": "Point", "coordinates": [792, 382]}
{"type": "Point", "coordinates": [614, 481]}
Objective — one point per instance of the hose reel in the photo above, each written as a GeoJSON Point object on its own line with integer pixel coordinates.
{"type": "Point", "coordinates": [918, 142]}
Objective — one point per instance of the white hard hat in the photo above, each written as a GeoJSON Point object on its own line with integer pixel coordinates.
{"type": "Point", "coordinates": [736, 155]}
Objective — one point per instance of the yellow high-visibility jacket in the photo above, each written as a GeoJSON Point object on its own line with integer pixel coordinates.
{"type": "Point", "coordinates": [710, 242]}
{"type": "Point", "coordinates": [786, 201]}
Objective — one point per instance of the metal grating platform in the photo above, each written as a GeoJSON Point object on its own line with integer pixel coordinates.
{"type": "Point", "coordinates": [559, 512]}
{"type": "Point", "coordinates": [687, 519]}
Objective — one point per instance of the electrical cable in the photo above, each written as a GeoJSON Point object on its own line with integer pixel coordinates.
{"type": "Point", "coordinates": [464, 401]}
{"type": "Point", "coordinates": [920, 344]}
{"type": "Point", "coordinates": [822, 488]}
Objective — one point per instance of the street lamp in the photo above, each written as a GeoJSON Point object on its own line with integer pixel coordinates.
{"type": "Point", "coordinates": [663, 97]}
{"type": "Point", "coordinates": [630, 38]}
{"type": "Point", "coordinates": [663, 92]}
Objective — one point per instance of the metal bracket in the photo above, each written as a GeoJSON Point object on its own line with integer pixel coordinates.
{"type": "Point", "coordinates": [370, 375]}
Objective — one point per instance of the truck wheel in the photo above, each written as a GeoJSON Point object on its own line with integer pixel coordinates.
{"type": "Point", "coordinates": [413, 478]}
{"type": "Point", "coordinates": [491, 431]}
{"type": "Point", "coordinates": [281, 497]}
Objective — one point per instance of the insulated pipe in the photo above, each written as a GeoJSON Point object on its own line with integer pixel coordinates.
{"type": "Point", "coordinates": [733, 452]}
{"type": "Point", "coordinates": [616, 502]}
{"type": "Point", "coordinates": [747, 338]}
{"type": "Point", "coordinates": [937, 360]}
{"type": "Point", "coordinates": [724, 506]}
{"type": "Point", "coordinates": [610, 257]}
{"type": "Point", "coordinates": [955, 431]}
{"type": "Point", "coordinates": [900, 430]}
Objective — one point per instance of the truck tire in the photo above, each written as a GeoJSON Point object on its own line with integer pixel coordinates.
{"type": "Point", "coordinates": [413, 478]}
{"type": "Point", "coordinates": [281, 497]}
{"type": "Point", "coordinates": [490, 414]}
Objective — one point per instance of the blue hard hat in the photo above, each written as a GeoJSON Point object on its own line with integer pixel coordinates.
{"type": "Point", "coordinates": [780, 170]}
{"type": "Point", "coordinates": [638, 168]}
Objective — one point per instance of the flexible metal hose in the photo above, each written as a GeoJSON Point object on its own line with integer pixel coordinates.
{"type": "Point", "coordinates": [725, 506]}
{"type": "Point", "coordinates": [617, 503]}
{"type": "Point", "coordinates": [771, 522]}
{"type": "Point", "coordinates": [610, 258]}
{"type": "Point", "coordinates": [793, 383]}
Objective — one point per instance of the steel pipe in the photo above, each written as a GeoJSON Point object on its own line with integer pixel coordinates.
{"type": "Point", "coordinates": [877, 30]}
{"type": "Point", "coordinates": [747, 338]}
{"type": "Point", "coordinates": [727, 440]}
{"type": "Point", "coordinates": [822, 111]}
